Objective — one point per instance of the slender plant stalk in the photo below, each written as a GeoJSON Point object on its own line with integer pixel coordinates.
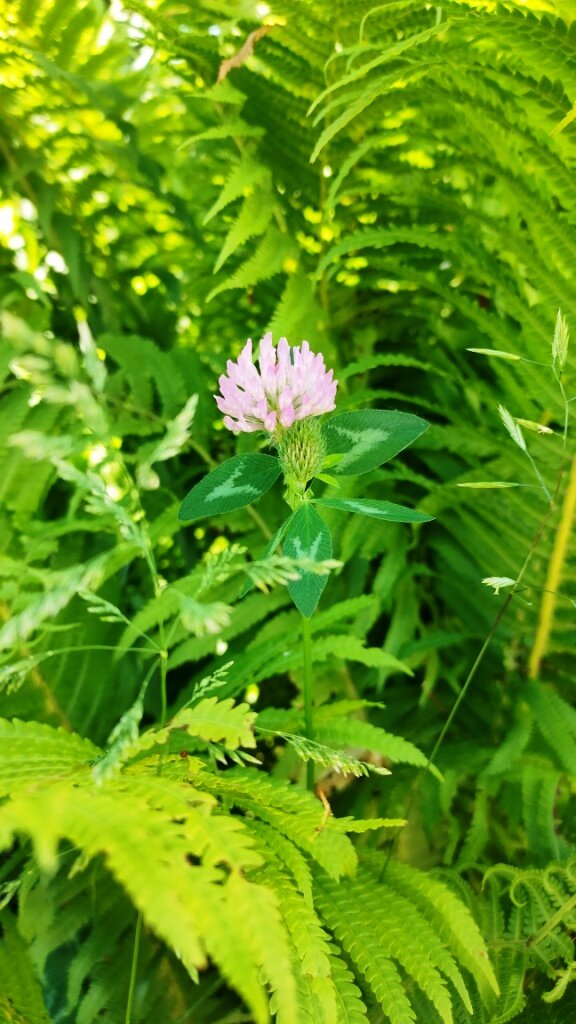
{"type": "Point", "coordinates": [133, 969]}
{"type": "Point", "coordinates": [555, 568]}
{"type": "Point", "coordinates": [308, 694]}
{"type": "Point", "coordinates": [163, 664]}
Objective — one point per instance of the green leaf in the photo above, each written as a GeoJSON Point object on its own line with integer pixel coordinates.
{"type": "Point", "coordinates": [342, 734]}
{"type": "Point", "coordinates": [210, 720]}
{"type": "Point", "coordinates": [188, 905]}
{"type": "Point", "coordinates": [176, 436]}
{"type": "Point", "coordinates": [376, 510]}
{"type": "Point", "coordinates": [295, 813]}
{"type": "Point", "coordinates": [307, 537]}
{"type": "Point", "coordinates": [512, 427]}
{"type": "Point", "coordinates": [352, 649]}
{"type": "Point", "coordinates": [560, 343]}
{"type": "Point", "coordinates": [450, 918]}
{"type": "Point", "coordinates": [31, 751]}
{"type": "Point", "coordinates": [498, 353]}
{"type": "Point", "coordinates": [488, 485]}
{"type": "Point", "coordinates": [367, 439]}
{"type": "Point", "coordinates": [236, 483]}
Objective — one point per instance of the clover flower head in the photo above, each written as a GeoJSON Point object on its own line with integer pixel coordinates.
{"type": "Point", "coordinates": [289, 384]}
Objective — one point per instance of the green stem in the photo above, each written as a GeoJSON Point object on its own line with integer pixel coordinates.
{"type": "Point", "coordinates": [539, 476]}
{"type": "Point", "coordinates": [155, 576]}
{"type": "Point", "coordinates": [163, 690]}
{"type": "Point", "coordinates": [552, 922]}
{"type": "Point", "coordinates": [133, 969]}
{"type": "Point", "coordinates": [308, 694]}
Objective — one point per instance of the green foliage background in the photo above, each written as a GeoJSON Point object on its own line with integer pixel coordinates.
{"type": "Point", "coordinates": [395, 183]}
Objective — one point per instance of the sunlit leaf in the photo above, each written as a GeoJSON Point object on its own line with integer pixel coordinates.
{"type": "Point", "coordinates": [367, 439]}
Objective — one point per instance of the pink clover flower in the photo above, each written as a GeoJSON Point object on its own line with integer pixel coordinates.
{"type": "Point", "coordinates": [290, 384]}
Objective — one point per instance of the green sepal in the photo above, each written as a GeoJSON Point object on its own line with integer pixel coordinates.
{"type": "Point", "coordinates": [326, 479]}
{"type": "Point", "coordinates": [307, 537]}
{"type": "Point", "coordinates": [238, 482]}
{"type": "Point", "coordinates": [367, 439]}
{"type": "Point", "coordinates": [376, 509]}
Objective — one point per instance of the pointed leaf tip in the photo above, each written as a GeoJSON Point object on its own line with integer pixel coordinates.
{"type": "Point", "coordinates": [385, 510]}
{"type": "Point", "coordinates": [307, 537]}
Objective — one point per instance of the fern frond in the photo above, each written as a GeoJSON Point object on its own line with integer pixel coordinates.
{"type": "Point", "coordinates": [248, 173]}
{"type": "Point", "coordinates": [269, 259]}
{"type": "Point", "coordinates": [555, 719]}
{"type": "Point", "coordinates": [478, 832]}
{"type": "Point", "coordinates": [343, 733]}
{"type": "Point", "coordinates": [21, 999]}
{"type": "Point", "coordinates": [513, 744]}
{"type": "Point", "coordinates": [32, 752]}
{"type": "Point", "coordinates": [298, 308]}
{"type": "Point", "coordinates": [295, 813]}
{"type": "Point", "coordinates": [351, 1009]}
{"type": "Point", "coordinates": [408, 939]}
{"type": "Point", "coordinates": [310, 944]}
{"type": "Point", "coordinates": [358, 937]}
{"type": "Point", "coordinates": [267, 943]}
{"type": "Point", "coordinates": [211, 719]}
{"type": "Point", "coordinates": [145, 367]}
{"type": "Point", "coordinates": [451, 920]}
{"type": "Point", "coordinates": [288, 854]}
{"type": "Point", "coordinates": [188, 906]}
{"type": "Point", "coordinates": [265, 660]}
{"type": "Point", "coordinates": [252, 221]}
{"type": "Point", "coordinates": [539, 795]}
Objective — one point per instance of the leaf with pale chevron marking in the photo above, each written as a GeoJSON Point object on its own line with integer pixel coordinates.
{"type": "Point", "coordinates": [236, 483]}
{"type": "Point", "coordinates": [386, 510]}
{"type": "Point", "coordinates": [307, 537]}
{"type": "Point", "coordinates": [367, 439]}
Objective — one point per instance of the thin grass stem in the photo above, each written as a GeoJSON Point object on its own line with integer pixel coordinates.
{"type": "Point", "coordinates": [133, 969]}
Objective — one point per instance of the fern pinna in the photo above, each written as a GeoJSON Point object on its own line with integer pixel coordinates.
{"type": "Point", "coordinates": [227, 867]}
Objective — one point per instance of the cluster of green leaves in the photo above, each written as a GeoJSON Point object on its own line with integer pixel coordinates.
{"type": "Point", "coordinates": [354, 443]}
{"type": "Point", "coordinates": [393, 182]}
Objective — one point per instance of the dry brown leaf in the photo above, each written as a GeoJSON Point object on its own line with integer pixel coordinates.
{"type": "Point", "coordinates": [245, 51]}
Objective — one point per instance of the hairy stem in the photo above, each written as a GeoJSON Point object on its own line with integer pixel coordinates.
{"type": "Point", "coordinates": [308, 694]}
